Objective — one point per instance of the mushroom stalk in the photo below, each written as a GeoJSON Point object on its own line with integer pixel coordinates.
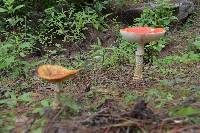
{"type": "Point", "coordinates": [57, 94]}
{"type": "Point", "coordinates": [139, 61]}
{"type": "Point", "coordinates": [58, 86]}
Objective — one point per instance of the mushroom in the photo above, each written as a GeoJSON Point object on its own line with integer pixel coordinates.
{"type": "Point", "coordinates": [141, 36]}
{"type": "Point", "coordinates": [56, 74]}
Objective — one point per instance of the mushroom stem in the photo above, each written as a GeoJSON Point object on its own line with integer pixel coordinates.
{"type": "Point", "coordinates": [58, 86]}
{"type": "Point", "coordinates": [139, 61]}
{"type": "Point", "coordinates": [57, 95]}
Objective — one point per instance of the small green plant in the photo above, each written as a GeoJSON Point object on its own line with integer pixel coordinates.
{"type": "Point", "coordinates": [12, 54]}
{"type": "Point", "coordinates": [68, 25]}
{"type": "Point", "coordinates": [52, 25]}
{"type": "Point", "coordinates": [186, 111]}
{"type": "Point", "coordinates": [71, 105]}
{"type": "Point", "coordinates": [153, 48]}
{"type": "Point", "coordinates": [196, 45]}
{"type": "Point", "coordinates": [130, 98]}
{"type": "Point", "coordinates": [157, 45]}
{"type": "Point", "coordinates": [185, 58]}
{"type": "Point", "coordinates": [9, 7]}
{"type": "Point", "coordinates": [112, 56]}
{"type": "Point", "coordinates": [161, 16]}
{"type": "Point", "coordinates": [190, 56]}
{"type": "Point", "coordinates": [8, 11]}
{"type": "Point", "coordinates": [7, 121]}
{"type": "Point", "coordinates": [10, 102]}
{"type": "Point", "coordinates": [45, 103]}
{"type": "Point", "coordinates": [160, 97]}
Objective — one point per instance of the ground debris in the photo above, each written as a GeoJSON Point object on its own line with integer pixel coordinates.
{"type": "Point", "coordinates": [141, 111]}
{"type": "Point", "coordinates": [111, 119]}
{"type": "Point", "coordinates": [187, 129]}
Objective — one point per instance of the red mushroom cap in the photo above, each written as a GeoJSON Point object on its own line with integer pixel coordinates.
{"type": "Point", "coordinates": [142, 34]}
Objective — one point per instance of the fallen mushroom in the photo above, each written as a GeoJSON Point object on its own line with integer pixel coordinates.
{"type": "Point", "coordinates": [55, 74]}
{"type": "Point", "coordinates": [141, 36]}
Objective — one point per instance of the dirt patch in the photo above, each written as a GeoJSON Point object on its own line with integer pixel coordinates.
{"type": "Point", "coordinates": [106, 37]}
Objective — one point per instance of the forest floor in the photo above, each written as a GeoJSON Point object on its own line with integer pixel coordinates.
{"type": "Point", "coordinates": [110, 101]}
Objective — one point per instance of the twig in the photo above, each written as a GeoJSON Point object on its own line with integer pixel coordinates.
{"type": "Point", "coordinates": [167, 120]}
{"type": "Point", "coordinates": [53, 120]}
{"type": "Point", "coordinates": [177, 129]}
{"type": "Point", "coordinates": [128, 124]}
{"type": "Point", "coordinates": [107, 130]}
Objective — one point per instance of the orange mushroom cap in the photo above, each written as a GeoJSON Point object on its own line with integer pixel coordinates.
{"type": "Point", "coordinates": [54, 73]}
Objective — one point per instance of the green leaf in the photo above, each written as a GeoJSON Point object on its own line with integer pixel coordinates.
{"type": "Point", "coordinates": [25, 45]}
{"type": "Point", "coordinates": [26, 97]}
{"type": "Point", "coordinates": [10, 60]}
{"type": "Point", "coordinates": [70, 103]}
{"type": "Point", "coordinates": [22, 54]}
{"type": "Point", "coordinates": [187, 111]}
{"type": "Point", "coordinates": [2, 10]}
{"type": "Point", "coordinates": [18, 7]}
{"type": "Point", "coordinates": [38, 110]}
{"type": "Point", "coordinates": [8, 127]}
{"type": "Point", "coordinates": [45, 103]}
{"type": "Point", "coordinates": [38, 130]}
{"type": "Point", "coordinates": [3, 101]}
{"type": "Point", "coordinates": [11, 103]}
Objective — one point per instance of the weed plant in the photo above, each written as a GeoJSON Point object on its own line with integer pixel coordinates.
{"type": "Point", "coordinates": [55, 25]}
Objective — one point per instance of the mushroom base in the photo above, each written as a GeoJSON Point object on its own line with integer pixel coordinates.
{"type": "Point", "coordinates": [139, 61]}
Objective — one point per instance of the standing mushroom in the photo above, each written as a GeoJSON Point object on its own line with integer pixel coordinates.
{"type": "Point", "coordinates": [141, 36]}
{"type": "Point", "coordinates": [55, 74]}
